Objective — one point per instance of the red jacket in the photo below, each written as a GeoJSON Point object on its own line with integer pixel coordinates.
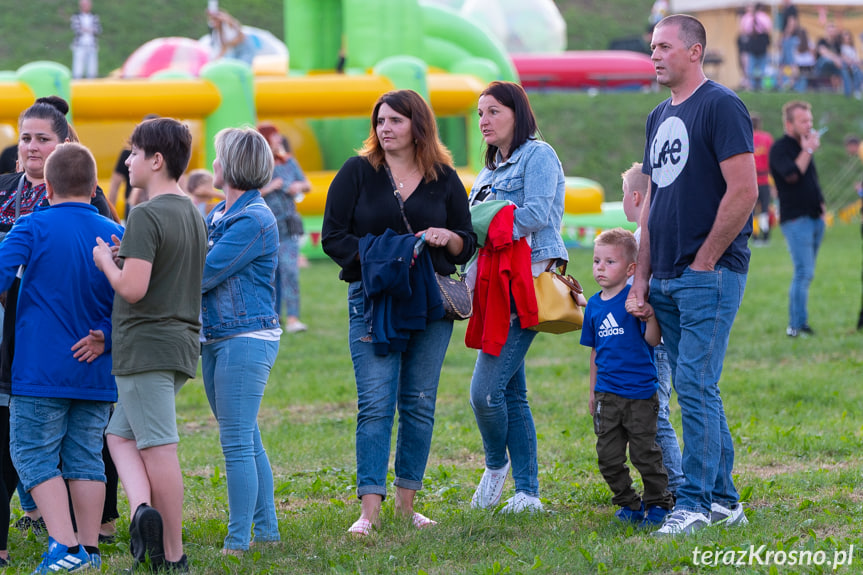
{"type": "Point", "coordinates": [503, 268]}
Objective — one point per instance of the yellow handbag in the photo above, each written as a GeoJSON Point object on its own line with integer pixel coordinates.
{"type": "Point", "coordinates": [557, 300]}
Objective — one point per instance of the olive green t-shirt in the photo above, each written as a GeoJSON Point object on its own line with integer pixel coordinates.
{"type": "Point", "coordinates": [161, 331]}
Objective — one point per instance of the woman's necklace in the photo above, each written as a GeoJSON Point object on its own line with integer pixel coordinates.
{"type": "Point", "coordinates": [400, 180]}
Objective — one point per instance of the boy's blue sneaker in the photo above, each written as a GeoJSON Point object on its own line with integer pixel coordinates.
{"type": "Point", "coordinates": [59, 560]}
{"type": "Point", "coordinates": [96, 561]}
{"type": "Point", "coordinates": [629, 515]}
{"type": "Point", "coordinates": [654, 516]}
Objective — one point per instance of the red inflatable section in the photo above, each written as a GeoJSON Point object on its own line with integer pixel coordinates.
{"type": "Point", "coordinates": [602, 69]}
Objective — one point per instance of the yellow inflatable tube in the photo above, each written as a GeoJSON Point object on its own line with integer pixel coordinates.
{"type": "Point", "coordinates": [583, 196]}
{"type": "Point", "coordinates": [133, 99]}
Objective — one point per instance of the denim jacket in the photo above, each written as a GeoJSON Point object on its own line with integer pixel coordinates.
{"type": "Point", "coordinates": [238, 293]}
{"type": "Point", "coordinates": [532, 178]}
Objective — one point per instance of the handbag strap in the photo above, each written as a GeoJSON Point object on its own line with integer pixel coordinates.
{"type": "Point", "coordinates": [560, 274]}
{"type": "Point", "coordinates": [399, 199]}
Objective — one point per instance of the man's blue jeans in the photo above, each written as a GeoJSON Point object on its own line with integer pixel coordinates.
{"type": "Point", "coordinates": [235, 374]}
{"type": "Point", "coordinates": [498, 395]}
{"type": "Point", "coordinates": [666, 437]}
{"type": "Point", "coordinates": [803, 237]}
{"type": "Point", "coordinates": [407, 381]}
{"type": "Point", "coordinates": [696, 312]}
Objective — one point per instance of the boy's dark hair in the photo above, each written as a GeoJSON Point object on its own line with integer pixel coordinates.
{"type": "Point", "coordinates": [168, 137]}
{"type": "Point", "coordinates": [621, 238]}
{"type": "Point", "coordinates": [71, 170]}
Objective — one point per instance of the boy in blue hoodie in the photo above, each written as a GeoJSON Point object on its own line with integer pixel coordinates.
{"type": "Point", "coordinates": [62, 387]}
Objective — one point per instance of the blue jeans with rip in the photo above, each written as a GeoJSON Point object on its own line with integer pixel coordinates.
{"type": "Point", "coordinates": [666, 437]}
{"type": "Point", "coordinates": [235, 372]}
{"type": "Point", "coordinates": [695, 312]}
{"type": "Point", "coordinates": [803, 237]}
{"type": "Point", "coordinates": [498, 395]}
{"type": "Point", "coordinates": [407, 381]}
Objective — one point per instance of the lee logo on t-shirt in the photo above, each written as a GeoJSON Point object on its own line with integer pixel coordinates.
{"type": "Point", "coordinates": [669, 151]}
{"type": "Point", "coordinates": [609, 327]}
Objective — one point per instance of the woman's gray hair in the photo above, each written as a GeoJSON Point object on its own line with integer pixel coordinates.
{"type": "Point", "coordinates": [246, 158]}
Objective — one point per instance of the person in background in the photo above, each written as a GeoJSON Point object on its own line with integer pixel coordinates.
{"type": "Point", "coordinates": [762, 141]}
{"type": "Point", "coordinates": [801, 206]}
{"type": "Point", "coordinates": [228, 39]}
{"type": "Point", "coordinates": [829, 59]}
{"type": "Point", "coordinates": [636, 189]}
{"type": "Point", "coordinates": [9, 160]}
{"type": "Point", "coordinates": [240, 344]}
{"type": "Point", "coordinates": [851, 60]}
{"type": "Point", "coordinates": [288, 186]}
{"type": "Point", "coordinates": [524, 170]}
{"type": "Point", "coordinates": [85, 46]}
{"type": "Point", "coordinates": [755, 28]}
{"type": "Point", "coordinates": [804, 60]}
{"type": "Point", "coordinates": [199, 186]}
{"type": "Point", "coordinates": [120, 177]}
{"type": "Point", "coordinates": [694, 258]}
{"type": "Point", "coordinates": [402, 154]}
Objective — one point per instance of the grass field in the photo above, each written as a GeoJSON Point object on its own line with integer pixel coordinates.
{"type": "Point", "coordinates": [794, 408]}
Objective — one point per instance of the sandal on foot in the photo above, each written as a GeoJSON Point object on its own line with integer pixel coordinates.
{"type": "Point", "coordinates": [361, 527]}
{"type": "Point", "coordinates": [420, 521]}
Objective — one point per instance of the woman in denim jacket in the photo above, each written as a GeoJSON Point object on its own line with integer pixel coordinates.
{"type": "Point", "coordinates": [525, 171]}
{"type": "Point", "coordinates": [241, 329]}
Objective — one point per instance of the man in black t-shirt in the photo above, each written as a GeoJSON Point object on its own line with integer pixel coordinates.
{"type": "Point", "coordinates": [801, 206]}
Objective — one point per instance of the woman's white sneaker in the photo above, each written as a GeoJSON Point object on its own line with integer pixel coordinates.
{"type": "Point", "coordinates": [728, 517]}
{"type": "Point", "coordinates": [490, 488]}
{"type": "Point", "coordinates": [522, 502]}
{"type": "Point", "coordinates": [683, 522]}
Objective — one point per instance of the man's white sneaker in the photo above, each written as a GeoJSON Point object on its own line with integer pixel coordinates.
{"type": "Point", "coordinates": [522, 502]}
{"type": "Point", "coordinates": [728, 517]}
{"type": "Point", "coordinates": [490, 488]}
{"type": "Point", "coordinates": [682, 522]}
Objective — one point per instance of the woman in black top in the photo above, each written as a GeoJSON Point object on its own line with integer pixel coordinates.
{"type": "Point", "coordinates": [403, 142]}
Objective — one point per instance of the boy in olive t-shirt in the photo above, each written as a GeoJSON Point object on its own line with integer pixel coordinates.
{"type": "Point", "coordinates": [157, 305]}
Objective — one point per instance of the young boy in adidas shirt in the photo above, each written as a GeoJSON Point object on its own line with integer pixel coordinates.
{"type": "Point", "coordinates": [623, 384]}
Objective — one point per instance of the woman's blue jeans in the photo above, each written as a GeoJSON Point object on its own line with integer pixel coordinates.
{"type": "Point", "coordinates": [803, 236]}
{"type": "Point", "coordinates": [406, 381]}
{"type": "Point", "coordinates": [498, 395]}
{"type": "Point", "coordinates": [288, 277]}
{"type": "Point", "coordinates": [696, 311]}
{"type": "Point", "coordinates": [235, 374]}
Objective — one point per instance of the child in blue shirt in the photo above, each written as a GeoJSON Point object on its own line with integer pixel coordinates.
{"type": "Point", "coordinates": [623, 399]}
{"type": "Point", "coordinates": [62, 387]}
